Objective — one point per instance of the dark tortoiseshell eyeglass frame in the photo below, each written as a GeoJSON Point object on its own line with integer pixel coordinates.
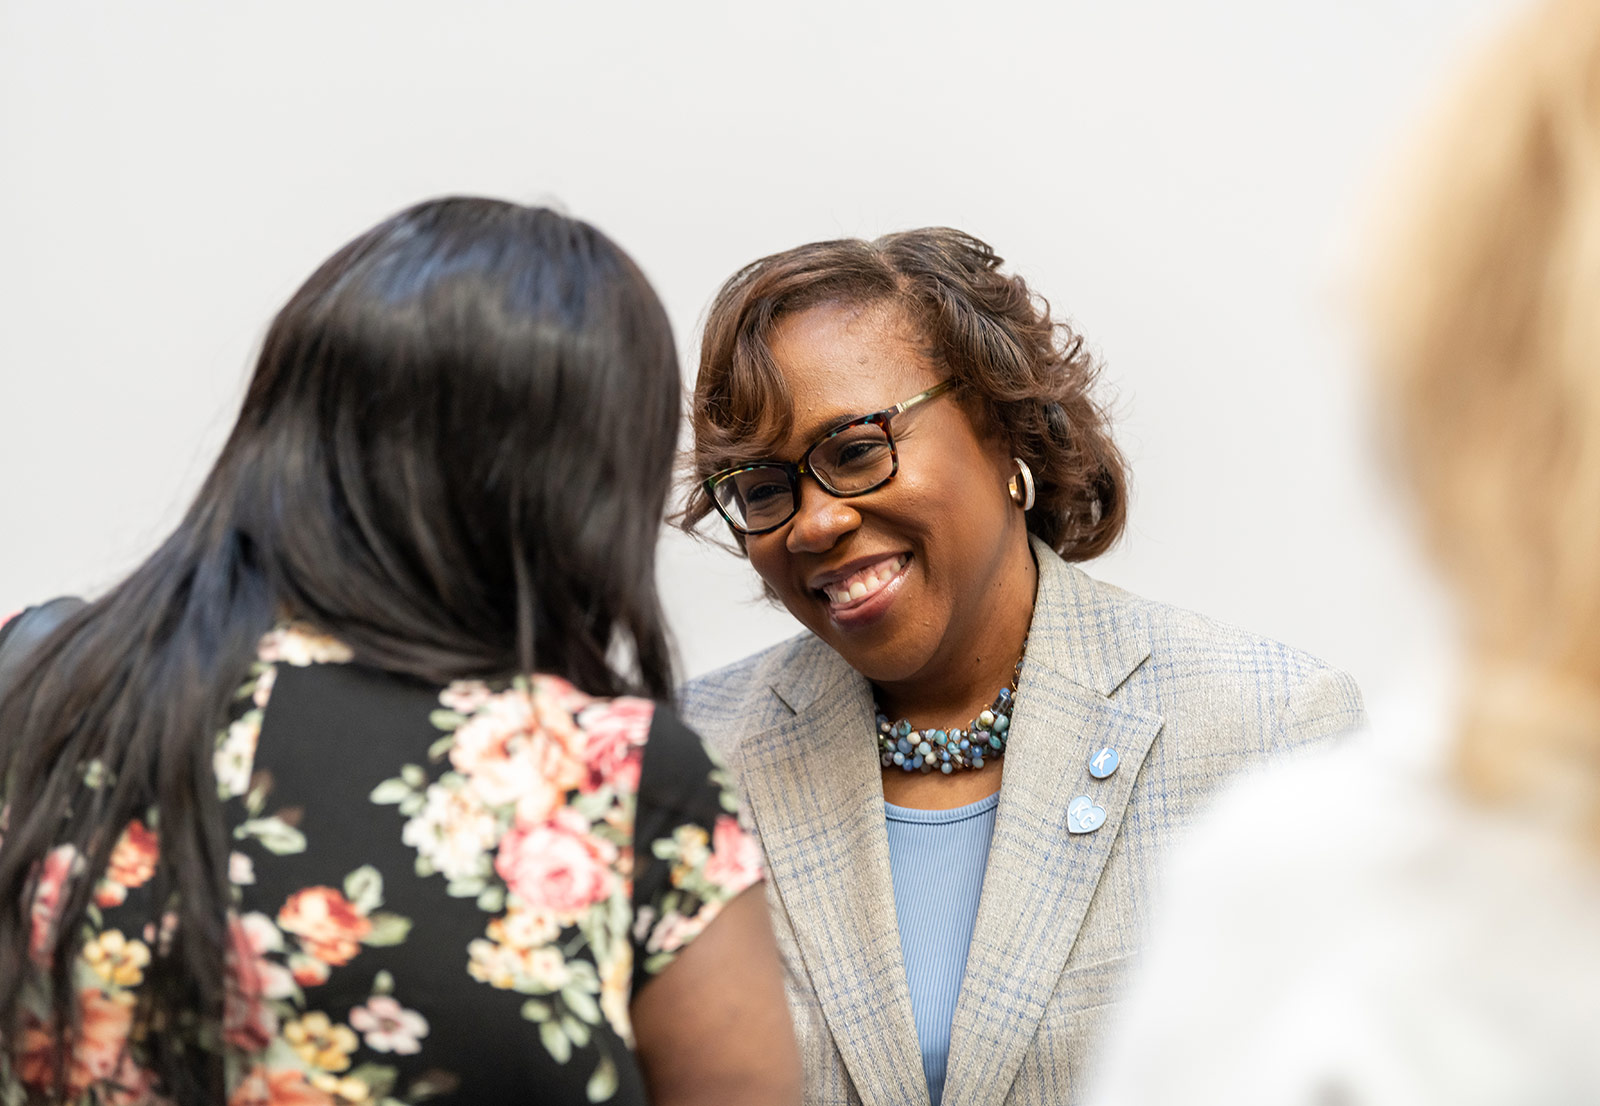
{"type": "Point", "coordinates": [725, 492]}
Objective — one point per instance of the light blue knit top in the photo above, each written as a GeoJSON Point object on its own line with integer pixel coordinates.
{"type": "Point", "coordinates": [937, 858]}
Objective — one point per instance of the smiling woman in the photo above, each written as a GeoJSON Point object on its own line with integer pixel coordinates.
{"type": "Point", "coordinates": [934, 911]}
{"type": "Point", "coordinates": [935, 544]}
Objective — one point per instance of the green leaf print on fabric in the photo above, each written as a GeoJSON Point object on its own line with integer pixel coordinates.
{"type": "Point", "coordinates": [274, 834]}
{"type": "Point", "coordinates": [528, 809]}
{"type": "Point", "coordinates": [364, 888]}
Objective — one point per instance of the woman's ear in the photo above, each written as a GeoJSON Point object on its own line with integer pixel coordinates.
{"type": "Point", "coordinates": [1000, 453]}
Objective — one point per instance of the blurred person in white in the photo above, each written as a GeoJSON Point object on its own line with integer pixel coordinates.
{"type": "Point", "coordinates": [1415, 916]}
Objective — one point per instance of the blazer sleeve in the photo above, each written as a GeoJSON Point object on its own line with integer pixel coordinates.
{"type": "Point", "coordinates": [1323, 705]}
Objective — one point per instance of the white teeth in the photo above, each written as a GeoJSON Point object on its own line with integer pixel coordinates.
{"type": "Point", "coordinates": [865, 582]}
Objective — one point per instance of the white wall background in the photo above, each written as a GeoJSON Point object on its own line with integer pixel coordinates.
{"type": "Point", "coordinates": [1185, 180]}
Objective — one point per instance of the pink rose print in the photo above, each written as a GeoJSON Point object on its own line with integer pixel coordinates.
{"type": "Point", "coordinates": [328, 924]}
{"type": "Point", "coordinates": [308, 971]}
{"type": "Point", "coordinates": [674, 930]}
{"type": "Point", "coordinates": [557, 866]}
{"type": "Point", "coordinates": [735, 861]}
{"type": "Point", "coordinates": [57, 867]}
{"type": "Point", "coordinates": [300, 645]}
{"type": "Point", "coordinates": [281, 1087]}
{"type": "Point", "coordinates": [553, 691]}
{"type": "Point", "coordinates": [131, 1085]}
{"type": "Point", "coordinates": [555, 702]}
{"type": "Point", "coordinates": [97, 1050]}
{"type": "Point", "coordinates": [614, 753]}
{"type": "Point", "coordinates": [465, 696]}
{"type": "Point", "coordinates": [133, 862]}
{"type": "Point", "coordinates": [248, 1022]}
{"type": "Point", "coordinates": [512, 758]}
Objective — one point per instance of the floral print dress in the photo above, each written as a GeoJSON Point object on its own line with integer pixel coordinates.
{"type": "Point", "coordinates": [445, 894]}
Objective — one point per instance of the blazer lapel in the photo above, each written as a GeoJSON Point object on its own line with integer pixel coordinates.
{"type": "Point", "coordinates": [814, 789]}
{"type": "Point", "coordinates": [1041, 876]}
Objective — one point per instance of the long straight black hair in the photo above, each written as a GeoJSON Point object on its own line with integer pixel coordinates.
{"type": "Point", "coordinates": [454, 455]}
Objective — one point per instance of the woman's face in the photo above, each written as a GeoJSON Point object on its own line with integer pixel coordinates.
{"type": "Point", "coordinates": [912, 581]}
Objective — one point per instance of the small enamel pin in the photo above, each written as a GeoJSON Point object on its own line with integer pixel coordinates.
{"type": "Point", "coordinates": [1103, 763]}
{"type": "Point", "coordinates": [1083, 816]}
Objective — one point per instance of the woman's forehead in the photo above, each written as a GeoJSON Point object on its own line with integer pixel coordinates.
{"type": "Point", "coordinates": [843, 360]}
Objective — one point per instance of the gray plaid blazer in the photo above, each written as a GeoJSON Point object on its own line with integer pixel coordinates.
{"type": "Point", "coordinates": [1186, 702]}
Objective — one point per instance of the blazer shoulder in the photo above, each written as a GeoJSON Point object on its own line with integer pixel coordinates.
{"type": "Point", "coordinates": [740, 698]}
{"type": "Point", "coordinates": [1297, 697]}
{"type": "Point", "coordinates": [1176, 630]}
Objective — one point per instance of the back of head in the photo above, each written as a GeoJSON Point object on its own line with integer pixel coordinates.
{"type": "Point", "coordinates": [453, 455]}
{"type": "Point", "coordinates": [472, 410]}
{"type": "Point", "coordinates": [1488, 328]}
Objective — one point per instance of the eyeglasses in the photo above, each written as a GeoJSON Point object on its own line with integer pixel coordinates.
{"type": "Point", "coordinates": [852, 459]}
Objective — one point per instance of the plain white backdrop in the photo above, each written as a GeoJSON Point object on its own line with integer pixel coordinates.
{"type": "Point", "coordinates": [1188, 183]}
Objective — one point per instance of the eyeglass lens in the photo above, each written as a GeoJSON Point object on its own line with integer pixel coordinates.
{"type": "Point", "coordinates": [854, 460]}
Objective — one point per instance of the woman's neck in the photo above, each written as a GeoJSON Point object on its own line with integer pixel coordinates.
{"type": "Point", "coordinates": [943, 702]}
{"type": "Point", "coordinates": [965, 679]}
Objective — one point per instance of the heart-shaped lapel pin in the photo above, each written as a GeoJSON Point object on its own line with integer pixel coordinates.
{"type": "Point", "coordinates": [1083, 816]}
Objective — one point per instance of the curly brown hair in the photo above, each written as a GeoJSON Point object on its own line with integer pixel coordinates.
{"type": "Point", "coordinates": [1026, 377]}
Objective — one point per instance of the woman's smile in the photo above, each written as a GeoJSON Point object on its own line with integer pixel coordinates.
{"type": "Point", "coordinates": [913, 579]}
{"type": "Point", "coordinates": [859, 592]}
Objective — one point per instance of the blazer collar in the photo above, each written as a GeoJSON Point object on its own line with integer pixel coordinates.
{"type": "Point", "coordinates": [815, 791]}
{"type": "Point", "coordinates": [814, 788]}
{"type": "Point", "coordinates": [1086, 640]}
{"type": "Point", "coordinates": [1082, 629]}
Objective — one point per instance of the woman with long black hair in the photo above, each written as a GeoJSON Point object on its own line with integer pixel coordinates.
{"type": "Point", "coordinates": [361, 788]}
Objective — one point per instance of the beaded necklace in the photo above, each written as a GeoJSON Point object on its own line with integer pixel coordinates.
{"type": "Point", "coordinates": [983, 739]}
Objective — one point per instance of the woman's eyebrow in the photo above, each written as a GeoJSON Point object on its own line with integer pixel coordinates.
{"type": "Point", "coordinates": [817, 428]}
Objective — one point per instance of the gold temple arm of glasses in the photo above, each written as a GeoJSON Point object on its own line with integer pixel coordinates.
{"type": "Point", "coordinates": [938, 389]}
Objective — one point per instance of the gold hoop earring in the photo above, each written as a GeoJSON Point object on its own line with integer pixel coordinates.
{"type": "Point", "coordinates": [1021, 485]}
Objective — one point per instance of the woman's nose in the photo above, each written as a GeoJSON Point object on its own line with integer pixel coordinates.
{"type": "Point", "coordinates": [820, 521]}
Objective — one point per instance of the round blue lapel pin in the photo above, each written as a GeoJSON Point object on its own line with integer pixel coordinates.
{"type": "Point", "coordinates": [1103, 763]}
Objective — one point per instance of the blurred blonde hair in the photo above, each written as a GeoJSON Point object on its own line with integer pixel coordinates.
{"type": "Point", "coordinates": [1487, 312]}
